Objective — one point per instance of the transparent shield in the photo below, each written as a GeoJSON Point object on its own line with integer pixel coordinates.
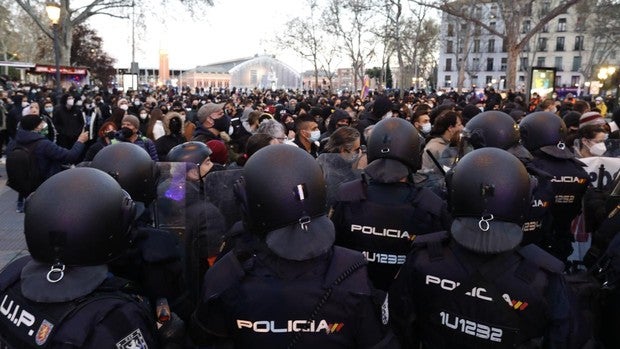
{"type": "Point", "coordinates": [337, 170]}
{"type": "Point", "coordinates": [218, 187]}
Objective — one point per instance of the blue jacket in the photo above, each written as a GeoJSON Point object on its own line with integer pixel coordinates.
{"type": "Point", "coordinates": [50, 157]}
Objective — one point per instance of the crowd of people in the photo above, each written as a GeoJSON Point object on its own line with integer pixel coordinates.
{"type": "Point", "coordinates": [308, 219]}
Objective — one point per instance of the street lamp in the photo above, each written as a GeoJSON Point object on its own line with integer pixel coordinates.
{"type": "Point", "coordinates": [53, 13]}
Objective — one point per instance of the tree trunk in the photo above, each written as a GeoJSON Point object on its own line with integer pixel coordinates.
{"type": "Point", "coordinates": [512, 66]}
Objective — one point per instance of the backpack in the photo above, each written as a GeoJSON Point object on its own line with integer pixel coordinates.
{"type": "Point", "coordinates": [22, 169]}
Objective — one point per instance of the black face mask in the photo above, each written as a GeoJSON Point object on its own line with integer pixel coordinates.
{"type": "Point", "coordinates": [221, 124]}
{"type": "Point", "coordinates": [110, 134]}
{"type": "Point", "coordinates": [290, 126]}
{"type": "Point", "coordinates": [126, 132]}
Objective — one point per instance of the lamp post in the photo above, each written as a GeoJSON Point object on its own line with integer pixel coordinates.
{"type": "Point", "coordinates": [53, 13]}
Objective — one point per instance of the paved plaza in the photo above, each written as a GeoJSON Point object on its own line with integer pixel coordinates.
{"type": "Point", "coordinates": [12, 243]}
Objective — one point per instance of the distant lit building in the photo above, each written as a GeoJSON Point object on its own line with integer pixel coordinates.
{"type": "Point", "coordinates": [263, 71]}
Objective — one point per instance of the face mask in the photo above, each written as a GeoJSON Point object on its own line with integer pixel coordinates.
{"type": "Point", "coordinates": [69, 103]}
{"type": "Point", "coordinates": [598, 149]}
{"type": "Point", "coordinates": [290, 126]}
{"type": "Point", "coordinates": [25, 104]}
{"type": "Point", "coordinates": [110, 134]}
{"type": "Point", "coordinates": [78, 103]}
{"type": "Point", "coordinates": [426, 128]}
{"type": "Point", "coordinates": [136, 102]}
{"type": "Point", "coordinates": [126, 132]}
{"type": "Point", "coordinates": [352, 157]}
{"type": "Point", "coordinates": [315, 135]}
{"type": "Point", "coordinates": [142, 116]}
{"type": "Point", "coordinates": [124, 106]}
{"type": "Point", "coordinates": [49, 110]}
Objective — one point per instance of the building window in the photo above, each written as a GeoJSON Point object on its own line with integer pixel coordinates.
{"type": "Point", "coordinates": [491, 45]}
{"type": "Point", "coordinates": [542, 44]}
{"type": "Point", "coordinates": [579, 24]}
{"type": "Point", "coordinates": [558, 80]}
{"type": "Point", "coordinates": [475, 64]}
{"type": "Point", "coordinates": [576, 63]}
{"type": "Point", "coordinates": [492, 25]}
{"type": "Point", "coordinates": [448, 81]}
{"type": "Point", "coordinates": [562, 24]}
{"type": "Point", "coordinates": [523, 64]}
{"type": "Point", "coordinates": [450, 29]}
{"type": "Point", "coordinates": [540, 62]}
{"type": "Point", "coordinates": [477, 30]}
{"type": "Point", "coordinates": [574, 80]}
{"type": "Point", "coordinates": [558, 63]}
{"type": "Point", "coordinates": [578, 43]}
{"type": "Point", "coordinates": [545, 7]}
{"type": "Point", "coordinates": [521, 78]}
{"type": "Point", "coordinates": [489, 64]}
{"type": "Point", "coordinates": [559, 43]}
{"type": "Point", "coordinates": [545, 28]}
{"type": "Point", "coordinates": [505, 46]}
{"type": "Point", "coordinates": [489, 79]}
{"type": "Point", "coordinates": [449, 48]}
{"type": "Point", "coordinates": [476, 46]}
{"type": "Point", "coordinates": [448, 64]}
{"type": "Point", "coordinates": [503, 64]}
{"type": "Point", "coordinates": [525, 27]}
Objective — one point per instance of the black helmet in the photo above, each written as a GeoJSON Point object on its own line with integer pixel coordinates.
{"type": "Point", "coordinates": [541, 129]}
{"type": "Point", "coordinates": [192, 152]}
{"type": "Point", "coordinates": [132, 167]}
{"type": "Point", "coordinates": [397, 139]}
{"type": "Point", "coordinates": [282, 184]}
{"type": "Point", "coordinates": [489, 192]}
{"type": "Point", "coordinates": [78, 217]}
{"type": "Point", "coordinates": [491, 129]}
{"type": "Point", "coordinates": [283, 195]}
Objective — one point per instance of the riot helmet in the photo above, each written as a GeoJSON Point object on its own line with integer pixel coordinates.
{"type": "Point", "coordinates": [489, 194]}
{"type": "Point", "coordinates": [78, 217]}
{"type": "Point", "coordinates": [132, 167]}
{"type": "Point", "coordinates": [394, 150]}
{"type": "Point", "coordinates": [193, 152]}
{"type": "Point", "coordinates": [493, 128]}
{"type": "Point", "coordinates": [283, 195]}
{"type": "Point", "coordinates": [545, 131]}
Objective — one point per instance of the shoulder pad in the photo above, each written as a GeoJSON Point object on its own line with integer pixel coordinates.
{"type": "Point", "coordinates": [428, 201]}
{"type": "Point", "coordinates": [12, 272]}
{"type": "Point", "coordinates": [225, 273]}
{"type": "Point", "coordinates": [425, 239]}
{"type": "Point", "coordinates": [579, 162]}
{"type": "Point", "coordinates": [541, 258]}
{"type": "Point", "coordinates": [344, 266]}
{"type": "Point", "coordinates": [351, 191]}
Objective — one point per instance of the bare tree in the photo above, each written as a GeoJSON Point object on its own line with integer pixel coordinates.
{"type": "Point", "coordinates": [601, 22]}
{"type": "Point", "coordinates": [349, 20]}
{"type": "Point", "coordinates": [71, 16]}
{"type": "Point", "coordinates": [512, 12]}
{"type": "Point", "coordinates": [305, 37]}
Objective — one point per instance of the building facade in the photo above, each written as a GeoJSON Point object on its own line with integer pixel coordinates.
{"type": "Point", "coordinates": [481, 57]}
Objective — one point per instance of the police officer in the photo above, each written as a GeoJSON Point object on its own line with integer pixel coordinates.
{"type": "Point", "coordinates": [498, 130]}
{"type": "Point", "coordinates": [205, 225]}
{"type": "Point", "coordinates": [542, 133]}
{"type": "Point", "coordinates": [480, 289]}
{"type": "Point", "coordinates": [295, 288]}
{"type": "Point", "coordinates": [154, 259]}
{"type": "Point", "coordinates": [380, 217]}
{"type": "Point", "coordinates": [63, 294]}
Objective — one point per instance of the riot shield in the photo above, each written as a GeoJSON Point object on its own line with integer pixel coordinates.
{"type": "Point", "coordinates": [181, 208]}
{"type": "Point", "coordinates": [218, 188]}
{"type": "Point", "coordinates": [336, 171]}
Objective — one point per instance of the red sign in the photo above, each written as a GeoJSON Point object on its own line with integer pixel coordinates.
{"type": "Point", "coordinates": [63, 70]}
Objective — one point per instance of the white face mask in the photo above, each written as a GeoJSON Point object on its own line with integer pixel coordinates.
{"type": "Point", "coordinates": [142, 116]}
{"type": "Point", "coordinates": [315, 135]}
{"type": "Point", "coordinates": [124, 106]}
{"type": "Point", "coordinates": [25, 104]}
{"type": "Point", "coordinates": [70, 103]}
{"type": "Point", "coordinates": [598, 149]}
{"type": "Point", "coordinates": [426, 128]}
